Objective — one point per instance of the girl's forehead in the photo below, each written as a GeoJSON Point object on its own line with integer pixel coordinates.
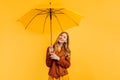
{"type": "Point", "coordinates": [64, 34]}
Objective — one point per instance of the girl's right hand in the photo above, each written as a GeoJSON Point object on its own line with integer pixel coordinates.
{"type": "Point", "coordinates": [51, 49]}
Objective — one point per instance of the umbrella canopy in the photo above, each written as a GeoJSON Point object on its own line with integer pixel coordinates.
{"type": "Point", "coordinates": [50, 20]}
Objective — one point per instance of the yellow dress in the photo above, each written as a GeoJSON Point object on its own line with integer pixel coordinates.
{"type": "Point", "coordinates": [65, 77]}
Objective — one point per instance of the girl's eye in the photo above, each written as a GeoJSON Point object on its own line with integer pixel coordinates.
{"type": "Point", "coordinates": [65, 37]}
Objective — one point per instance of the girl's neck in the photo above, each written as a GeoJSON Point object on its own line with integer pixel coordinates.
{"type": "Point", "coordinates": [60, 45]}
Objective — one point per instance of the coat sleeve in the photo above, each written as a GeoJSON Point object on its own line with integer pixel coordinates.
{"type": "Point", "coordinates": [49, 61]}
{"type": "Point", "coordinates": [64, 61]}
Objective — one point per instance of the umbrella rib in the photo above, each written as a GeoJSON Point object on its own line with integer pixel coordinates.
{"type": "Point", "coordinates": [68, 17]}
{"type": "Point", "coordinates": [45, 21]}
{"type": "Point", "coordinates": [41, 10]}
{"type": "Point", "coordinates": [58, 9]}
{"type": "Point", "coordinates": [59, 13]}
{"type": "Point", "coordinates": [29, 16]}
{"type": "Point", "coordinates": [32, 20]}
{"type": "Point", "coordinates": [58, 22]}
{"type": "Point", "coordinates": [71, 19]}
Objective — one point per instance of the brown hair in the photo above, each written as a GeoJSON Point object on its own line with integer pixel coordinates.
{"type": "Point", "coordinates": [65, 44]}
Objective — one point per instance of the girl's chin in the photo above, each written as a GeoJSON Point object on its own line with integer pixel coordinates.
{"type": "Point", "coordinates": [61, 42]}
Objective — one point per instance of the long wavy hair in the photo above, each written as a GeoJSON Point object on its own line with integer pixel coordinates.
{"type": "Point", "coordinates": [65, 44]}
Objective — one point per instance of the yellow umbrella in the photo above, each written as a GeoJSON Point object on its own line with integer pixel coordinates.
{"type": "Point", "coordinates": [50, 20]}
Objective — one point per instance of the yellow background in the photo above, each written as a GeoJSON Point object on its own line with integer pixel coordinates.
{"type": "Point", "coordinates": [95, 44]}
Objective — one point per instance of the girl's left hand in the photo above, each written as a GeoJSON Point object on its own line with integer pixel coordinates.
{"type": "Point", "coordinates": [54, 56]}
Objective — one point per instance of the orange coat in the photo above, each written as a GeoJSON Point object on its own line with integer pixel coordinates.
{"type": "Point", "coordinates": [58, 68]}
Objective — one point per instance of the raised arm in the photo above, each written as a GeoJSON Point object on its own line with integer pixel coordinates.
{"type": "Point", "coordinates": [49, 61]}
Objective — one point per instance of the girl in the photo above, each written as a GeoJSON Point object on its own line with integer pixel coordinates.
{"type": "Point", "coordinates": [58, 58]}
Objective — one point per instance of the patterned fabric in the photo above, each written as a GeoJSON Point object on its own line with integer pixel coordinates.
{"type": "Point", "coordinates": [65, 77]}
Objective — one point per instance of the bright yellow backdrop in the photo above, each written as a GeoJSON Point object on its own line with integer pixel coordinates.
{"type": "Point", "coordinates": [95, 44]}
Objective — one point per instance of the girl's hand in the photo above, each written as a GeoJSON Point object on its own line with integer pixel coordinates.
{"type": "Point", "coordinates": [54, 56]}
{"type": "Point", "coordinates": [51, 49]}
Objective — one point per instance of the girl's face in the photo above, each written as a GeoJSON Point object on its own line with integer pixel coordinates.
{"type": "Point", "coordinates": [62, 38]}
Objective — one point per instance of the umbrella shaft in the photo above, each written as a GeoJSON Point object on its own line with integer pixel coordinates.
{"type": "Point", "coordinates": [51, 25]}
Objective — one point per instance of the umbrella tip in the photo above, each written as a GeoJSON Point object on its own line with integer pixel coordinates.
{"type": "Point", "coordinates": [50, 3]}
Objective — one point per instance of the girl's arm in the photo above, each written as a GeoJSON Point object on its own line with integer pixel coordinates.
{"type": "Point", "coordinates": [64, 61]}
{"type": "Point", "coordinates": [49, 61]}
